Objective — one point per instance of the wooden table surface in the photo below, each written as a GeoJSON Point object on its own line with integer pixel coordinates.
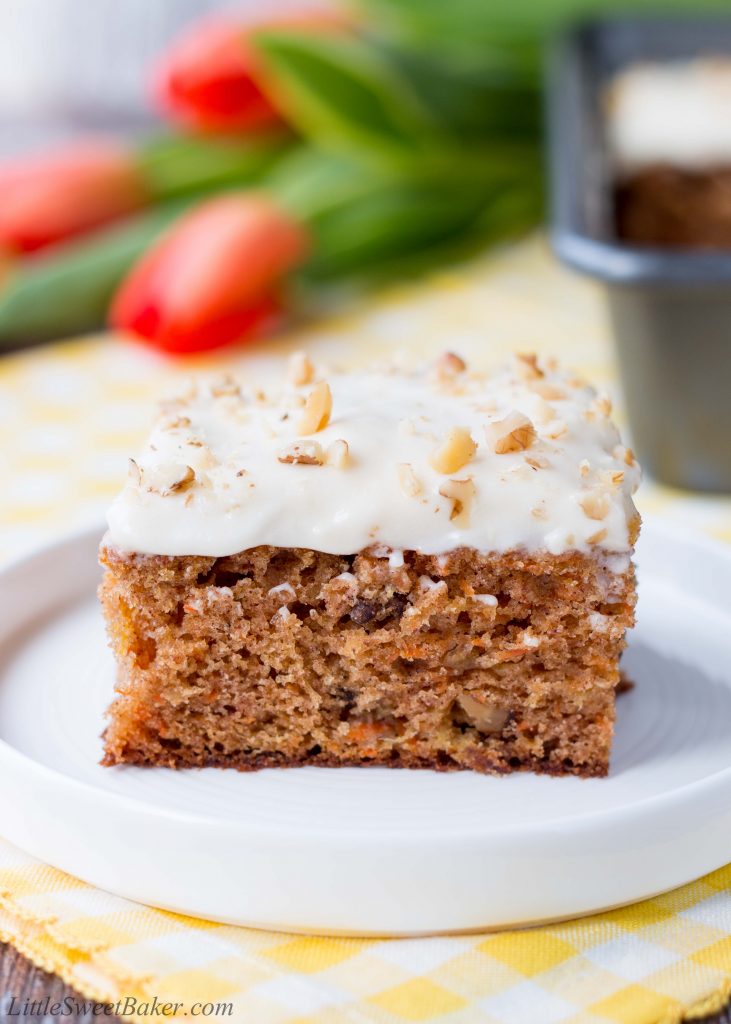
{"type": "Point", "coordinates": [21, 983]}
{"type": "Point", "coordinates": [20, 979]}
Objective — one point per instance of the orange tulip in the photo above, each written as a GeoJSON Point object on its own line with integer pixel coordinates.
{"type": "Point", "coordinates": [213, 278]}
{"type": "Point", "coordinates": [210, 79]}
{"type": "Point", "coordinates": [52, 197]}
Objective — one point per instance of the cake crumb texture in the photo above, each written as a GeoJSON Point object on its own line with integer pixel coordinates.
{"type": "Point", "coordinates": [275, 656]}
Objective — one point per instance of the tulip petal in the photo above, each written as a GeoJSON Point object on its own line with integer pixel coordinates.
{"type": "Point", "coordinates": [52, 197]}
{"type": "Point", "coordinates": [211, 77]}
{"type": "Point", "coordinates": [212, 277]}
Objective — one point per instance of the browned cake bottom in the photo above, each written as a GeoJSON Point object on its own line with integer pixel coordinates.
{"type": "Point", "coordinates": [675, 207]}
{"type": "Point", "coordinates": [289, 657]}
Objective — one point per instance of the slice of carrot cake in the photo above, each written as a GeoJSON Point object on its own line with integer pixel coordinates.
{"type": "Point", "coordinates": [669, 139]}
{"type": "Point", "coordinates": [425, 569]}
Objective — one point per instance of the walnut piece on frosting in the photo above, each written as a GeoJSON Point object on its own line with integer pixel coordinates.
{"type": "Point", "coordinates": [548, 391]}
{"type": "Point", "coordinates": [455, 451]}
{"type": "Point", "coordinates": [318, 406]}
{"type": "Point", "coordinates": [302, 453]}
{"type": "Point", "coordinates": [461, 494]}
{"type": "Point", "coordinates": [299, 370]}
{"type": "Point", "coordinates": [613, 478]}
{"type": "Point", "coordinates": [595, 504]}
{"type": "Point", "coordinates": [338, 454]}
{"type": "Point", "coordinates": [514, 433]}
{"type": "Point", "coordinates": [556, 429]}
{"type": "Point", "coordinates": [227, 386]}
{"type": "Point", "coordinates": [408, 480]}
{"type": "Point", "coordinates": [449, 365]}
{"type": "Point", "coordinates": [527, 366]}
{"type": "Point", "coordinates": [170, 479]}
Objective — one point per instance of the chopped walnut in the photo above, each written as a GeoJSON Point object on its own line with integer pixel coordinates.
{"type": "Point", "coordinates": [302, 453]}
{"type": "Point", "coordinates": [338, 454]}
{"type": "Point", "coordinates": [201, 457]}
{"type": "Point", "coordinates": [408, 481]}
{"type": "Point", "coordinates": [226, 386]}
{"type": "Point", "coordinates": [461, 494]}
{"type": "Point", "coordinates": [614, 478]}
{"type": "Point", "coordinates": [537, 461]}
{"type": "Point", "coordinates": [449, 365]}
{"type": "Point", "coordinates": [177, 423]}
{"type": "Point", "coordinates": [625, 454]}
{"type": "Point", "coordinates": [318, 407]}
{"type": "Point", "coordinates": [135, 473]}
{"type": "Point", "coordinates": [482, 714]}
{"type": "Point", "coordinates": [548, 391]}
{"type": "Point", "coordinates": [598, 537]}
{"type": "Point", "coordinates": [454, 452]}
{"type": "Point", "coordinates": [171, 479]}
{"type": "Point", "coordinates": [300, 370]}
{"type": "Point", "coordinates": [556, 429]}
{"type": "Point", "coordinates": [542, 411]}
{"type": "Point", "coordinates": [584, 467]}
{"type": "Point", "coordinates": [634, 527]}
{"type": "Point", "coordinates": [603, 405]}
{"type": "Point", "coordinates": [514, 433]}
{"type": "Point", "coordinates": [527, 366]}
{"type": "Point", "coordinates": [595, 504]}
{"type": "Point", "coordinates": [539, 512]}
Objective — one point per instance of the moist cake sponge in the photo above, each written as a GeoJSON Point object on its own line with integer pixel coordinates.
{"type": "Point", "coordinates": [426, 569]}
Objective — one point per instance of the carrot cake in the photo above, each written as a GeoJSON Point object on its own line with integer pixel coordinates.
{"type": "Point", "coordinates": [426, 569]}
{"type": "Point", "coordinates": [669, 134]}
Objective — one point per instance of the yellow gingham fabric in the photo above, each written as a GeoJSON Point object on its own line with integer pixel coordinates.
{"type": "Point", "coordinates": [69, 417]}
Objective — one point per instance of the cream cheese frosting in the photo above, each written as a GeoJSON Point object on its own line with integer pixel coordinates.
{"type": "Point", "coordinates": [675, 112]}
{"type": "Point", "coordinates": [429, 459]}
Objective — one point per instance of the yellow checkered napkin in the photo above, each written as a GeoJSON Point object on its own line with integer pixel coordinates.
{"type": "Point", "coordinates": [69, 417]}
{"type": "Point", "coordinates": [657, 961]}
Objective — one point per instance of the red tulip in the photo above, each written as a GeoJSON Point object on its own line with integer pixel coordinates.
{"type": "Point", "coordinates": [52, 197]}
{"type": "Point", "coordinates": [214, 278]}
{"type": "Point", "coordinates": [210, 79]}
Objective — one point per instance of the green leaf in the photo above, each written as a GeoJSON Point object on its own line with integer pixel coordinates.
{"type": "Point", "coordinates": [311, 182]}
{"type": "Point", "coordinates": [478, 105]}
{"type": "Point", "coordinates": [506, 31]}
{"type": "Point", "coordinates": [359, 215]}
{"type": "Point", "coordinates": [345, 94]}
{"type": "Point", "coordinates": [398, 219]}
{"type": "Point", "coordinates": [67, 290]}
{"type": "Point", "coordinates": [178, 165]}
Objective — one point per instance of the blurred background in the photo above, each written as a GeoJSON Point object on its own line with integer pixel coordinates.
{"type": "Point", "coordinates": [72, 66]}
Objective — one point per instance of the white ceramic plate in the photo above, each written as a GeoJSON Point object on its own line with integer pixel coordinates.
{"type": "Point", "coordinates": [372, 850]}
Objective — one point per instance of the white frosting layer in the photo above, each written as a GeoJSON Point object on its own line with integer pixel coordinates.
{"type": "Point", "coordinates": [211, 480]}
{"type": "Point", "coordinates": [676, 113]}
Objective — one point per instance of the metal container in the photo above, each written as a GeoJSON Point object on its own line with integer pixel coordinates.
{"type": "Point", "coordinates": [670, 309]}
